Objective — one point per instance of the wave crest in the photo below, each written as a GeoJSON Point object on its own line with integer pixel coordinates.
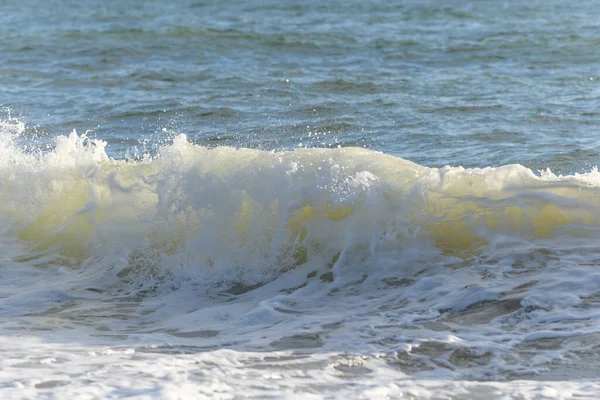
{"type": "Point", "coordinates": [248, 215]}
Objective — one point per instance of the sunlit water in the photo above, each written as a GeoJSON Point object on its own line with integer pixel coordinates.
{"type": "Point", "coordinates": [317, 200]}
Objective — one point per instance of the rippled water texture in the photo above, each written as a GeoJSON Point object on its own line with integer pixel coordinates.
{"type": "Point", "coordinates": [355, 199]}
{"type": "Point", "coordinates": [460, 83]}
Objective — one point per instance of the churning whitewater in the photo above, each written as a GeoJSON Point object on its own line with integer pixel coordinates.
{"type": "Point", "coordinates": [340, 199]}
{"type": "Point", "coordinates": [328, 272]}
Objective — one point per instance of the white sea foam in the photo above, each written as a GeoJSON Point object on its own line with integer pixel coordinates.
{"type": "Point", "coordinates": [214, 272]}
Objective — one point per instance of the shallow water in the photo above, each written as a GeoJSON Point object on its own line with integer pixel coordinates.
{"type": "Point", "coordinates": [328, 200]}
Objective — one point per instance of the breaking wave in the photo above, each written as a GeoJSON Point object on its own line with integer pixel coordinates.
{"type": "Point", "coordinates": [241, 215]}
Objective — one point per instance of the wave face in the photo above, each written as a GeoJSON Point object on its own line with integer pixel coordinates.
{"type": "Point", "coordinates": [446, 273]}
{"type": "Point", "coordinates": [242, 215]}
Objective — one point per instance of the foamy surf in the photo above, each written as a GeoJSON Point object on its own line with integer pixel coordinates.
{"type": "Point", "coordinates": [224, 207]}
{"type": "Point", "coordinates": [324, 265]}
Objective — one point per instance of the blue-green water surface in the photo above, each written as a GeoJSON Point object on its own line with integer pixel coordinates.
{"type": "Point", "coordinates": [475, 83]}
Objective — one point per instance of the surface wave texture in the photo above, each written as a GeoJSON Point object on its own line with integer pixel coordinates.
{"type": "Point", "coordinates": [319, 264]}
{"type": "Point", "coordinates": [266, 199]}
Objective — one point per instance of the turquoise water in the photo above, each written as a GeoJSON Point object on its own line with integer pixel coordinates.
{"type": "Point", "coordinates": [328, 200]}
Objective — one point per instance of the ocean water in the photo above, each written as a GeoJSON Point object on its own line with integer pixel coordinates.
{"type": "Point", "coordinates": [298, 200]}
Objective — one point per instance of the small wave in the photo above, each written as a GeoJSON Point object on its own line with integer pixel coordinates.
{"type": "Point", "coordinates": [345, 86]}
{"type": "Point", "coordinates": [244, 215]}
